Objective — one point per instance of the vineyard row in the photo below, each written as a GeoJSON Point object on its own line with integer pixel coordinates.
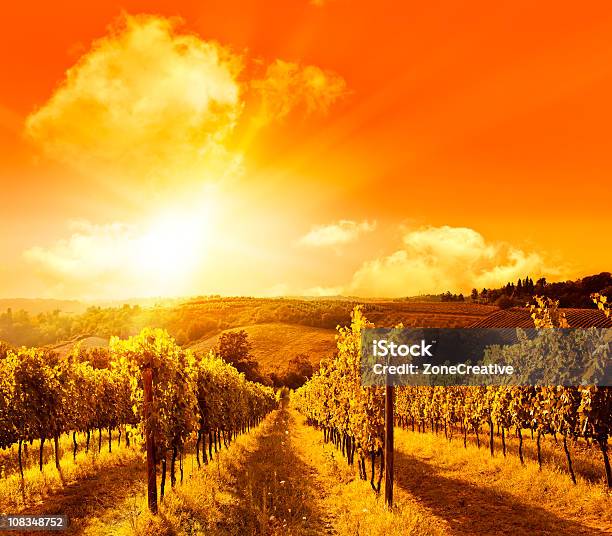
{"type": "Point", "coordinates": [197, 398]}
{"type": "Point", "coordinates": [352, 415]}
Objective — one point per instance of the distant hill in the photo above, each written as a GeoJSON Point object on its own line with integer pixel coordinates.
{"type": "Point", "coordinates": [427, 314]}
{"type": "Point", "coordinates": [571, 294]}
{"type": "Point", "coordinates": [274, 344]}
{"type": "Point", "coordinates": [520, 317]}
{"type": "Point", "coordinates": [64, 348]}
{"type": "Point", "coordinates": [36, 306]}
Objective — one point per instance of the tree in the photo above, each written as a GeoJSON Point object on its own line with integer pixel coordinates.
{"type": "Point", "coordinates": [198, 329]}
{"type": "Point", "coordinates": [235, 348]}
{"type": "Point", "coordinates": [504, 302]}
{"type": "Point", "coordinates": [474, 294]}
{"type": "Point", "coordinates": [299, 371]}
{"type": "Point", "coordinates": [540, 285]}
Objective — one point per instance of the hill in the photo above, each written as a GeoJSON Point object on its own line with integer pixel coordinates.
{"type": "Point", "coordinates": [520, 317]}
{"type": "Point", "coordinates": [427, 314]}
{"type": "Point", "coordinates": [85, 341]}
{"type": "Point", "coordinates": [36, 306]}
{"type": "Point", "coordinates": [274, 344]}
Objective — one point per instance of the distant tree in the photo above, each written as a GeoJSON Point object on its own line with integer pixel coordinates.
{"type": "Point", "coordinates": [299, 371]}
{"type": "Point", "coordinates": [235, 348]}
{"type": "Point", "coordinates": [474, 294]}
{"type": "Point", "coordinates": [504, 302]}
{"type": "Point", "coordinates": [302, 365]}
{"type": "Point", "coordinates": [519, 287]}
{"type": "Point", "coordinates": [198, 329]}
{"type": "Point", "coordinates": [449, 297]}
{"type": "Point", "coordinates": [607, 292]}
{"type": "Point", "coordinates": [276, 379]}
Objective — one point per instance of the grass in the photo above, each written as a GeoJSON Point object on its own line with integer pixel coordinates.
{"type": "Point", "coordinates": [355, 509]}
{"type": "Point", "coordinates": [255, 487]}
{"type": "Point", "coordinates": [30, 454]}
{"type": "Point", "coordinates": [281, 479]}
{"type": "Point", "coordinates": [17, 495]}
{"type": "Point", "coordinates": [470, 483]}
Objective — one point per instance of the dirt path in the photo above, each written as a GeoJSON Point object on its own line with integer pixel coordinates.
{"type": "Point", "coordinates": [265, 489]}
{"type": "Point", "coordinates": [276, 491]}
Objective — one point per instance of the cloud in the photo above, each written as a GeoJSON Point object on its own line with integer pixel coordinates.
{"type": "Point", "coordinates": [336, 234]}
{"type": "Point", "coordinates": [90, 252]}
{"type": "Point", "coordinates": [436, 259]}
{"type": "Point", "coordinates": [116, 260]}
{"type": "Point", "coordinates": [146, 104]}
{"type": "Point", "coordinates": [288, 86]}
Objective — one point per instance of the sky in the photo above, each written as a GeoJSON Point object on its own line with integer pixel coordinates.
{"type": "Point", "coordinates": [306, 148]}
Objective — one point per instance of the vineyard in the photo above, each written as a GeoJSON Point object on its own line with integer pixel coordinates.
{"type": "Point", "coordinates": [193, 400]}
{"type": "Point", "coordinates": [135, 447]}
{"type": "Point", "coordinates": [352, 416]}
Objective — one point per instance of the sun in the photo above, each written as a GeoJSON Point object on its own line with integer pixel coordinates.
{"type": "Point", "coordinates": [172, 247]}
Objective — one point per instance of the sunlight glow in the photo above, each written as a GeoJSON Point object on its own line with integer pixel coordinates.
{"type": "Point", "coordinates": [174, 245]}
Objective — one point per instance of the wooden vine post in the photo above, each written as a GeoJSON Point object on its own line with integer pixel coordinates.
{"type": "Point", "coordinates": [147, 380]}
{"type": "Point", "coordinates": [389, 423]}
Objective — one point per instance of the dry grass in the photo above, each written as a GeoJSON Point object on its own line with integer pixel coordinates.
{"type": "Point", "coordinates": [9, 460]}
{"type": "Point", "coordinates": [280, 479]}
{"type": "Point", "coordinates": [274, 344]}
{"type": "Point", "coordinates": [478, 494]}
{"type": "Point", "coordinates": [257, 486]}
{"type": "Point", "coordinates": [352, 504]}
{"type": "Point", "coordinates": [38, 486]}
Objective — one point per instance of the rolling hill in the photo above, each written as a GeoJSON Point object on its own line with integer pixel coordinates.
{"type": "Point", "coordinates": [274, 344]}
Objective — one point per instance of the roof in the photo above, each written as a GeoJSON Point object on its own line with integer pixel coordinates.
{"type": "Point", "coordinates": [519, 317]}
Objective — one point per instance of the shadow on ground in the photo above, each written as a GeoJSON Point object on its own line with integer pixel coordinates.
{"type": "Point", "coordinates": [92, 497]}
{"type": "Point", "coordinates": [473, 510]}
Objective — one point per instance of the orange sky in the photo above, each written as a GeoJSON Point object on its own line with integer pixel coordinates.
{"type": "Point", "coordinates": [379, 148]}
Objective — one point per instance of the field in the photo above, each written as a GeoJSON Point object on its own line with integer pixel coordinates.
{"type": "Point", "coordinates": [283, 479]}
{"type": "Point", "coordinates": [274, 344]}
{"type": "Point", "coordinates": [302, 268]}
{"type": "Point", "coordinates": [272, 324]}
{"type": "Point", "coordinates": [233, 471]}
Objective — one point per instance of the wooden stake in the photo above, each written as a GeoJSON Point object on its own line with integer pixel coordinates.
{"type": "Point", "coordinates": [389, 390]}
{"type": "Point", "coordinates": [147, 380]}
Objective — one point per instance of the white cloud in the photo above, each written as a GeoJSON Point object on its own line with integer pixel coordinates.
{"type": "Point", "coordinates": [436, 259]}
{"type": "Point", "coordinates": [147, 105]}
{"type": "Point", "coordinates": [117, 260]}
{"type": "Point", "coordinates": [335, 234]}
{"type": "Point", "coordinates": [91, 251]}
